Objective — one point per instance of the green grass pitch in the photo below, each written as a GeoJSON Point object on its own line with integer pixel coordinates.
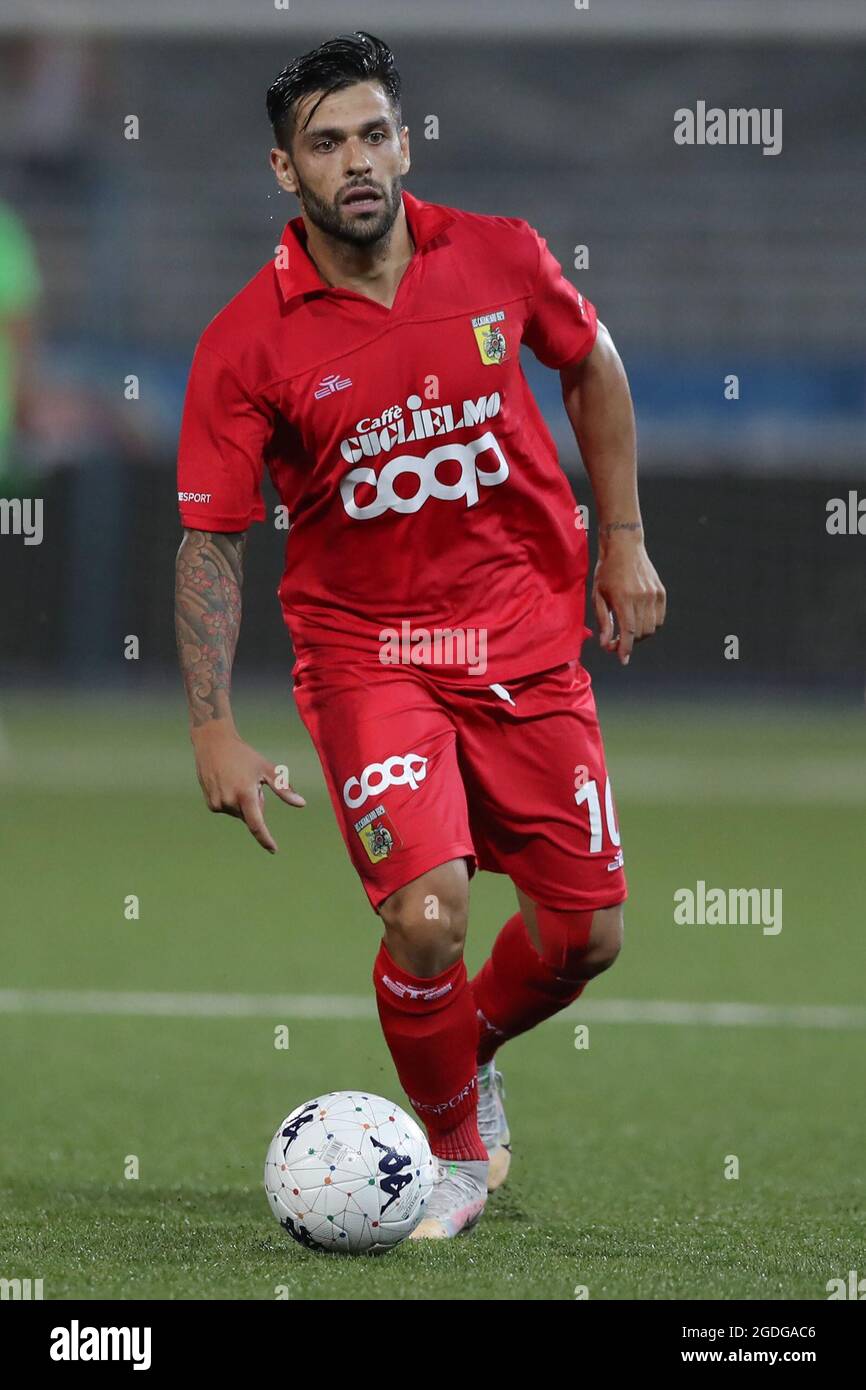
{"type": "Point", "coordinates": [618, 1182]}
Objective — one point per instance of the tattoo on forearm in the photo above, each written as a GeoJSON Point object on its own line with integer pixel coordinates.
{"type": "Point", "coordinates": [209, 574]}
{"type": "Point", "coordinates": [620, 526]}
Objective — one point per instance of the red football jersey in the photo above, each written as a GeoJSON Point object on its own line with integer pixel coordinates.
{"type": "Point", "coordinates": [423, 489]}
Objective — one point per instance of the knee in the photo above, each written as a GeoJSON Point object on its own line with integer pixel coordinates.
{"type": "Point", "coordinates": [425, 922]}
{"type": "Point", "coordinates": [605, 938]}
{"type": "Point", "coordinates": [579, 945]}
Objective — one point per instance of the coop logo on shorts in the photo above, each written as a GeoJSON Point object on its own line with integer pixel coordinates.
{"type": "Point", "coordinates": [427, 482]}
{"type": "Point", "coordinates": [408, 770]}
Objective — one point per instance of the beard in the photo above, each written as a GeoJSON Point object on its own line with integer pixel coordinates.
{"type": "Point", "coordinates": [360, 230]}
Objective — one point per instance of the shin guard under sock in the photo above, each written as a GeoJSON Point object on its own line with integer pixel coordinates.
{"type": "Point", "coordinates": [431, 1029]}
{"type": "Point", "coordinates": [515, 989]}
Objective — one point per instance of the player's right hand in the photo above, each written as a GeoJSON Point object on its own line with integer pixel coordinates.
{"type": "Point", "coordinates": [233, 777]}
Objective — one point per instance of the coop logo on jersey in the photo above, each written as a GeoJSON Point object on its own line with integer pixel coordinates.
{"type": "Point", "coordinates": [490, 338]}
{"type": "Point", "coordinates": [377, 834]}
{"type": "Point", "coordinates": [427, 481]}
{"type": "Point", "coordinates": [408, 770]}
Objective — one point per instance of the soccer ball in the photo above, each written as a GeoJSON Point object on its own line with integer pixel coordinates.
{"type": "Point", "coordinates": [349, 1171]}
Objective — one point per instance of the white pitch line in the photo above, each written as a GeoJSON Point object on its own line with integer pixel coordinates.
{"type": "Point", "coordinates": [352, 1006]}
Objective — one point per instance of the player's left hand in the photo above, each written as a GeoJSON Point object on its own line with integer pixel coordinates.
{"type": "Point", "coordinates": [626, 587]}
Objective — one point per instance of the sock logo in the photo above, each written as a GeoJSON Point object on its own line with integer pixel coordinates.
{"type": "Point", "coordinates": [402, 990]}
{"type": "Point", "coordinates": [444, 1105]}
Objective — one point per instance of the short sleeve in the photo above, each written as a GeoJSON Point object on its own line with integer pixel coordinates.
{"type": "Point", "coordinates": [223, 436]}
{"type": "Point", "coordinates": [562, 324]}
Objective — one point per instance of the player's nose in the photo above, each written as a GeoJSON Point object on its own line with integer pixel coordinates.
{"type": "Point", "coordinates": [357, 156]}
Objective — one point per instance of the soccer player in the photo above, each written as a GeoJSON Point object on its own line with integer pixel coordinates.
{"type": "Point", "coordinates": [434, 584]}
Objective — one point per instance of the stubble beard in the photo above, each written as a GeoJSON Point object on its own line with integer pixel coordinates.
{"type": "Point", "coordinates": [364, 230]}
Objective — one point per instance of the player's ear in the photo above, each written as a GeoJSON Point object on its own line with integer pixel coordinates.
{"type": "Point", "coordinates": [283, 171]}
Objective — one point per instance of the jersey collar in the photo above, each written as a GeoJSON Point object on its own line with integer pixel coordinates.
{"type": "Point", "coordinates": [300, 276]}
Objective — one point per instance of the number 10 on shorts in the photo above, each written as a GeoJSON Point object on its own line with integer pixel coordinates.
{"type": "Point", "coordinates": [588, 792]}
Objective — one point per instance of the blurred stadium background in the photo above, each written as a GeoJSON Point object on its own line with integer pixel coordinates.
{"type": "Point", "coordinates": [703, 262]}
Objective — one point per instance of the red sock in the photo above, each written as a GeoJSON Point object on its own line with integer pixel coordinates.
{"type": "Point", "coordinates": [431, 1029]}
{"type": "Point", "coordinates": [515, 989]}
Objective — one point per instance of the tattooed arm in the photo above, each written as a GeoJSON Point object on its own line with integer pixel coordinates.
{"type": "Point", "coordinates": [208, 580]}
{"type": "Point", "coordinates": [209, 575]}
{"type": "Point", "coordinates": [597, 400]}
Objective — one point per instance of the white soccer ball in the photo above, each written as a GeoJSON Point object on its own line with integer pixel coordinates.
{"type": "Point", "coordinates": [349, 1171]}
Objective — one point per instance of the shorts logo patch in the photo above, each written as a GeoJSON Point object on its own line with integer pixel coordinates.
{"type": "Point", "coordinates": [408, 770]}
{"type": "Point", "coordinates": [377, 834]}
{"type": "Point", "coordinates": [490, 338]}
{"type": "Point", "coordinates": [616, 862]}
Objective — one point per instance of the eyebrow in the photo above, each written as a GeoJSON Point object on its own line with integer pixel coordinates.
{"type": "Point", "coordinates": [336, 133]}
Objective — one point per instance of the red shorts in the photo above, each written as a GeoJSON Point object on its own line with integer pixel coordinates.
{"type": "Point", "coordinates": [420, 772]}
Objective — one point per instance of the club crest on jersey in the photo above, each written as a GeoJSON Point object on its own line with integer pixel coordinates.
{"type": "Point", "coordinates": [490, 338]}
{"type": "Point", "coordinates": [377, 834]}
